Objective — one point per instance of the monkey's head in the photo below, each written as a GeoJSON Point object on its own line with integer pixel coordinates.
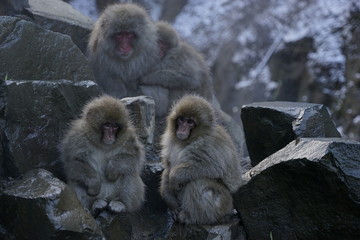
{"type": "Point", "coordinates": [191, 117]}
{"type": "Point", "coordinates": [168, 37]}
{"type": "Point", "coordinates": [122, 30]}
{"type": "Point", "coordinates": [106, 118]}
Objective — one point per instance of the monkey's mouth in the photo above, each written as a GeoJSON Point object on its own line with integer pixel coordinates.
{"type": "Point", "coordinates": [108, 139]}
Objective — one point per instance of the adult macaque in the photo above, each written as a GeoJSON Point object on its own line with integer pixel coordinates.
{"type": "Point", "coordinates": [103, 158]}
{"type": "Point", "coordinates": [122, 48]}
{"type": "Point", "coordinates": [181, 70]}
{"type": "Point", "coordinates": [201, 164]}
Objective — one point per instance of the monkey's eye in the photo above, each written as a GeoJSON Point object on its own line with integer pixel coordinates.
{"type": "Point", "coordinates": [191, 122]}
{"type": "Point", "coordinates": [108, 124]}
{"type": "Point", "coordinates": [111, 125]}
{"type": "Point", "coordinates": [181, 119]}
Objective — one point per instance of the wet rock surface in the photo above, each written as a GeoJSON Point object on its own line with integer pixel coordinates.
{"type": "Point", "coordinates": [49, 55]}
{"type": "Point", "coordinates": [37, 113]}
{"type": "Point", "coordinates": [307, 190]}
{"type": "Point", "coordinates": [59, 16]}
{"type": "Point", "coordinates": [270, 126]}
{"type": "Point", "coordinates": [40, 206]}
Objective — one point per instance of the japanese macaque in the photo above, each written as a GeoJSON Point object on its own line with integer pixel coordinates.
{"type": "Point", "coordinates": [181, 70]}
{"type": "Point", "coordinates": [201, 164]}
{"type": "Point", "coordinates": [103, 158]}
{"type": "Point", "coordinates": [122, 48]}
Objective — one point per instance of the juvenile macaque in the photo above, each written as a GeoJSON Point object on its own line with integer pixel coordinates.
{"type": "Point", "coordinates": [103, 158]}
{"type": "Point", "coordinates": [181, 70]}
{"type": "Point", "coordinates": [201, 164]}
{"type": "Point", "coordinates": [122, 48]}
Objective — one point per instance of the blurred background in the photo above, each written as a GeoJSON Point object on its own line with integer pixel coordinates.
{"type": "Point", "coordinates": [271, 50]}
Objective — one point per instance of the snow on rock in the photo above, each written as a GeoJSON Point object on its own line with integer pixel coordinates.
{"type": "Point", "coordinates": [86, 7]}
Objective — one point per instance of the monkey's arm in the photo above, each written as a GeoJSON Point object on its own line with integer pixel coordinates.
{"type": "Point", "coordinates": [128, 162]}
{"type": "Point", "coordinates": [78, 170]}
{"type": "Point", "coordinates": [198, 164]}
{"type": "Point", "coordinates": [170, 78]}
{"type": "Point", "coordinates": [166, 192]}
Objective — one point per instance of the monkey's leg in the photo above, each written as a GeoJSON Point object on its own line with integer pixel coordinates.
{"type": "Point", "coordinates": [117, 206]}
{"type": "Point", "coordinates": [97, 206]}
{"type": "Point", "coordinates": [132, 193]}
{"type": "Point", "coordinates": [204, 201]}
{"type": "Point", "coordinates": [85, 200]}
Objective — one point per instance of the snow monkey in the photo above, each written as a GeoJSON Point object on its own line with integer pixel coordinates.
{"type": "Point", "coordinates": [201, 164]}
{"type": "Point", "coordinates": [122, 48]}
{"type": "Point", "coordinates": [181, 70]}
{"type": "Point", "coordinates": [103, 158]}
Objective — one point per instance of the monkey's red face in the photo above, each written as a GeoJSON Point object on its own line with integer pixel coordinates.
{"type": "Point", "coordinates": [109, 130]}
{"type": "Point", "coordinates": [124, 43]}
{"type": "Point", "coordinates": [163, 48]}
{"type": "Point", "coordinates": [184, 126]}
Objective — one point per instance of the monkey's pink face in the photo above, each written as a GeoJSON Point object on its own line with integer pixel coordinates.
{"type": "Point", "coordinates": [184, 126]}
{"type": "Point", "coordinates": [110, 131]}
{"type": "Point", "coordinates": [124, 43]}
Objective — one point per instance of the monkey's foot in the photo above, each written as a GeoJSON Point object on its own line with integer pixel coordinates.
{"type": "Point", "coordinates": [117, 207]}
{"type": "Point", "coordinates": [98, 205]}
{"type": "Point", "coordinates": [180, 215]}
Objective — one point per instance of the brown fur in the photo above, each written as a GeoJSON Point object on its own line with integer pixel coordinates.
{"type": "Point", "coordinates": [98, 171]}
{"type": "Point", "coordinates": [115, 75]}
{"type": "Point", "coordinates": [181, 70]}
{"type": "Point", "coordinates": [201, 171]}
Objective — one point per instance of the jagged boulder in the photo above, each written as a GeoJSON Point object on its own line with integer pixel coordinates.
{"type": "Point", "coordinates": [59, 16]}
{"type": "Point", "coordinates": [142, 112]}
{"type": "Point", "coordinates": [308, 190]}
{"type": "Point", "coordinates": [31, 52]}
{"type": "Point", "coordinates": [37, 113]}
{"type": "Point", "coordinates": [40, 206]}
{"type": "Point", "coordinates": [270, 126]}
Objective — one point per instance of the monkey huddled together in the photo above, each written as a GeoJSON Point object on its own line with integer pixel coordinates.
{"type": "Point", "coordinates": [103, 160]}
{"type": "Point", "coordinates": [132, 55]}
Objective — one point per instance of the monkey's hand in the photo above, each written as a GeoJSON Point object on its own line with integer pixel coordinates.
{"type": "Point", "coordinates": [176, 182]}
{"type": "Point", "coordinates": [111, 173]}
{"type": "Point", "coordinates": [171, 201]}
{"type": "Point", "coordinates": [93, 187]}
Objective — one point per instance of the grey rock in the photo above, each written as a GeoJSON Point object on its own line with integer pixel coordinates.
{"type": "Point", "coordinates": [13, 7]}
{"type": "Point", "coordinates": [308, 190]}
{"type": "Point", "coordinates": [30, 52]}
{"type": "Point", "coordinates": [142, 111]}
{"type": "Point", "coordinates": [40, 206]}
{"type": "Point", "coordinates": [37, 114]}
{"type": "Point", "coordinates": [61, 17]}
{"type": "Point", "coordinates": [270, 126]}
{"type": "Point", "coordinates": [151, 177]}
{"type": "Point", "coordinates": [288, 68]}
